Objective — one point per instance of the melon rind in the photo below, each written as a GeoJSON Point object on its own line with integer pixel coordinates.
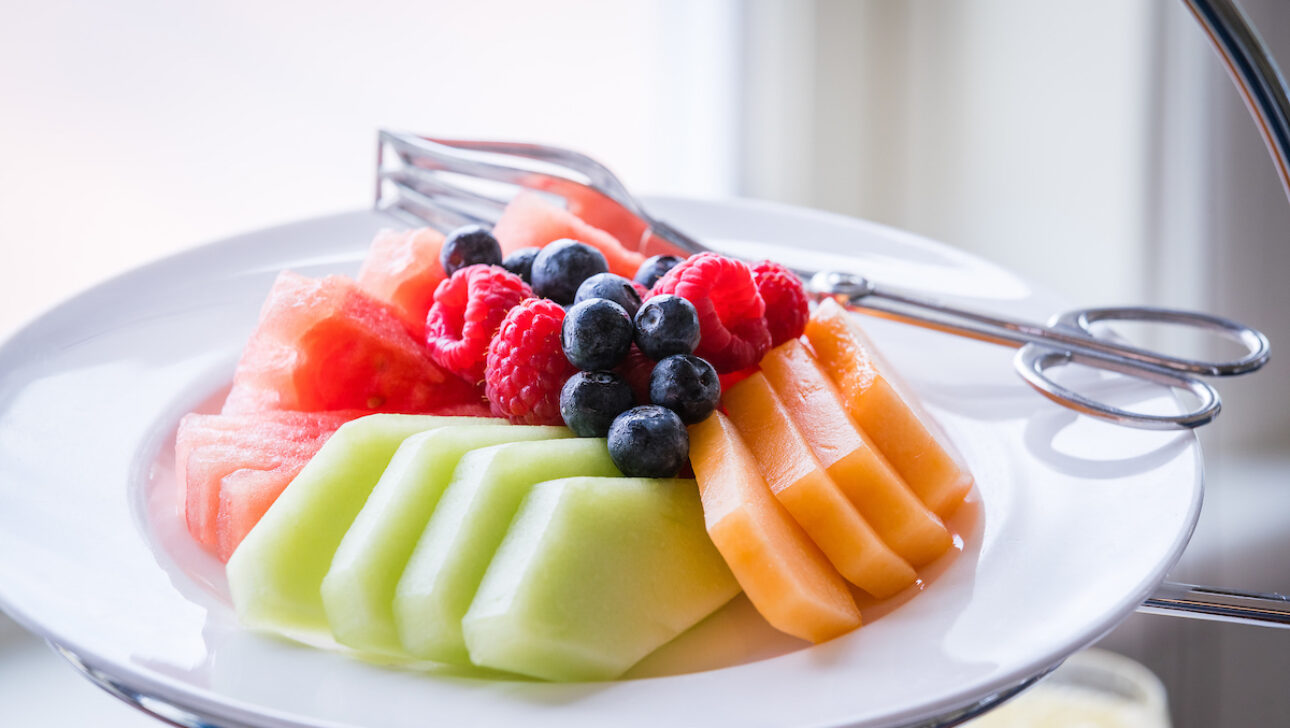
{"type": "Point", "coordinates": [593, 575]}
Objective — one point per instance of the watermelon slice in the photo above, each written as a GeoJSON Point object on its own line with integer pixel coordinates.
{"type": "Point", "coordinates": [402, 269]}
{"type": "Point", "coordinates": [244, 497]}
{"type": "Point", "coordinates": [530, 221]}
{"type": "Point", "coordinates": [324, 344]}
{"type": "Point", "coordinates": [209, 449]}
{"type": "Point", "coordinates": [596, 210]}
{"type": "Point", "coordinates": [201, 430]}
{"type": "Point", "coordinates": [207, 467]}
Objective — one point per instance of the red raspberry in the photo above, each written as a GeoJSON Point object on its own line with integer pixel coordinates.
{"type": "Point", "coordinates": [468, 308]}
{"type": "Point", "coordinates": [636, 369]}
{"type": "Point", "coordinates": [730, 379]}
{"type": "Point", "coordinates": [732, 320]}
{"type": "Point", "coordinates": [641, 291]}
{"type": "Point", "coordinates": [786, 305]}
{"type": "Point", "coordinates": [526, 366]}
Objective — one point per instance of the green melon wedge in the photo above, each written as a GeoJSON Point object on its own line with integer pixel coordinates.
{"type": "Point", "coordinates": [358, 591]}
{"type": "Point", "coordinates": [276, 574]}
{"type": "Point", "coordinates": [463, 533]}
{"type": "Point", "coordinates": [595, 574]}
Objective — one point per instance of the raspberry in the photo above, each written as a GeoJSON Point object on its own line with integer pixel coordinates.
{"type": "Point", "coordinates": [636, 369]}
{"type": "Point", "coordinates": [641, 291]}
{"type": "Point", "coordinates": [786, 306]}
{"type": "Point", "coordinates": [526, 367]}
{"type": "Point", "coordinates": [731, 312]}
{"type": "Point", "coordinates": [468, 307]}
{"type": "Point", "coordinates": [730, 379]}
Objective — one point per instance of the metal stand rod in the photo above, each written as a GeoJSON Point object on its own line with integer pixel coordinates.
{"type": "Point", "coordinates": [1264, 88]}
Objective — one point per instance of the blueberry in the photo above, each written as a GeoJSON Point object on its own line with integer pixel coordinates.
{"type": "Point", "coordinates": [469, 245]}
{"type": "Point", "coordinates": [596, 334]}
{"type": "Point", "coordinates": [667, 325]}
{"type": "Point", "coordinates": [590, 401]}
{"type": "Point", "coordinates": [613, 287]}
{"type": "Point", "coordinates": [521, 263]}
{"type": "Point", "coordinates": [654, 268]}
{"type": "Point", "coordinates": [687, 385]}
{"type": "Point", "coordinates": [649, 442]}
{"type": "Point", "coordinates": [562, 266]}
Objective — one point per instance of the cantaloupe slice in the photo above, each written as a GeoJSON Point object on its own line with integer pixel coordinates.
{"type": "Point", "coordinates": [899, 517]}
{"type": "Point", "coordinates": [786, 576]}
{"type": "Point", "coordinates": [819, 506]}
{"type": "Point", "coordinates": [902, 430]}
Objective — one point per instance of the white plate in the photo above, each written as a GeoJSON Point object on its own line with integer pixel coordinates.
{"type": "Point", "coordinates": [1073, 522]}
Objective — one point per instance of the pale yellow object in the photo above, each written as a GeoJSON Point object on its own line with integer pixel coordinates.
{"type": "Point", "coordinates": [1093, 689]}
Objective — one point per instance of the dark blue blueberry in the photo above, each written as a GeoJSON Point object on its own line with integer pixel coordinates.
{"type": "Point", "coordinates": [654, 268]}
{"type": "Point", "coordinates": [562, 266]}
{"type": "Point", "coordinates": [613, 287]}
{"type": "Point", "coordinates": [590, 401]}
{"type": "Point", "coordinates": [521, 263]}
{"type": "Point", "coordinates": [596, 334]}
{"type": "Point", "coordinates": [469, 245]}
{"type": "Point", "coordinates": [667, 325]}
{"type": "Point", "coordinates": [649, 442]}
{"type": "Point", "coordinates": [687, 385]}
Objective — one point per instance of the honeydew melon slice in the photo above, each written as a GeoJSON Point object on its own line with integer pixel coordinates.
{"type": "Point", "coordinates": [276, 574]}
{"type": "Point", "coordinates": [358, 591]}
{"type": "Point", "coordinates": [595, 574]}
{"type": "Point", "coordinates": [465, 529]}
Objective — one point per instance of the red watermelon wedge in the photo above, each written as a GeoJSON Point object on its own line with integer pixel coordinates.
{"type": "Point", "coordinates": [198, 430]}
{"type": "Point", "coordinates": [402, 269]}
{"type": "Point", "coordinates": [244, 497]}
{"type": "Point", "coordinates": [208, 466]}
{"type": "Point", "coordinates": [233, 467]}
{"type": "Point", "coordinates": [324, 344]}
{"type": "Point", "coordinates": [530, 220]}
{"type": "Point", "coordinates": [210, 447]}
{"type": "Point", "coordinates": [596, 210]}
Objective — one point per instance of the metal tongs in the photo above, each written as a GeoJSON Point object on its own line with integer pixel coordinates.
{"type": "Point", "coordinates": [453, 182]}
{"type": "Point", "coordinates": [449, 183]}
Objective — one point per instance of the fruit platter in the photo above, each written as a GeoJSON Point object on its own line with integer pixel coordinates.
{"type": "Point", "coordinates": [346, 472]}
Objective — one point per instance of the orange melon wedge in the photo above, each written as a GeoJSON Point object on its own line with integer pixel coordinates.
{"type": "Point", "coordinates": [785, 576]}
{"type": "Point", "coordinates": [869, 481]}
{"type": "Point", "coordinates": [903, 432]}
{"type": "Point", "coordinates": [814, 500]}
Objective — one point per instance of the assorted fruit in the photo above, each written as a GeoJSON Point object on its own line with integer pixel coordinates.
{"type": "Point", "coordinates": [476, 453]}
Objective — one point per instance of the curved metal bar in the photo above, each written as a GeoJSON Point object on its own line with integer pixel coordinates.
{"type": "Point", "coordinates": [984, 705]}
{"type": "Point", "coordinates": [1255, 342]}
{"type": "Point", "coordinates": [163, 710]}
{"type": "Point", "coordinates": [1254, 72]}
{"type": "Point", "coordinates": [1219, 605]}
{"type": "Point", "coordinates": [1032, 360]}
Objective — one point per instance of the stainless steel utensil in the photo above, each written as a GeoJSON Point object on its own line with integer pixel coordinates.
{"type": "Point", "coordinates": [450, 182]}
